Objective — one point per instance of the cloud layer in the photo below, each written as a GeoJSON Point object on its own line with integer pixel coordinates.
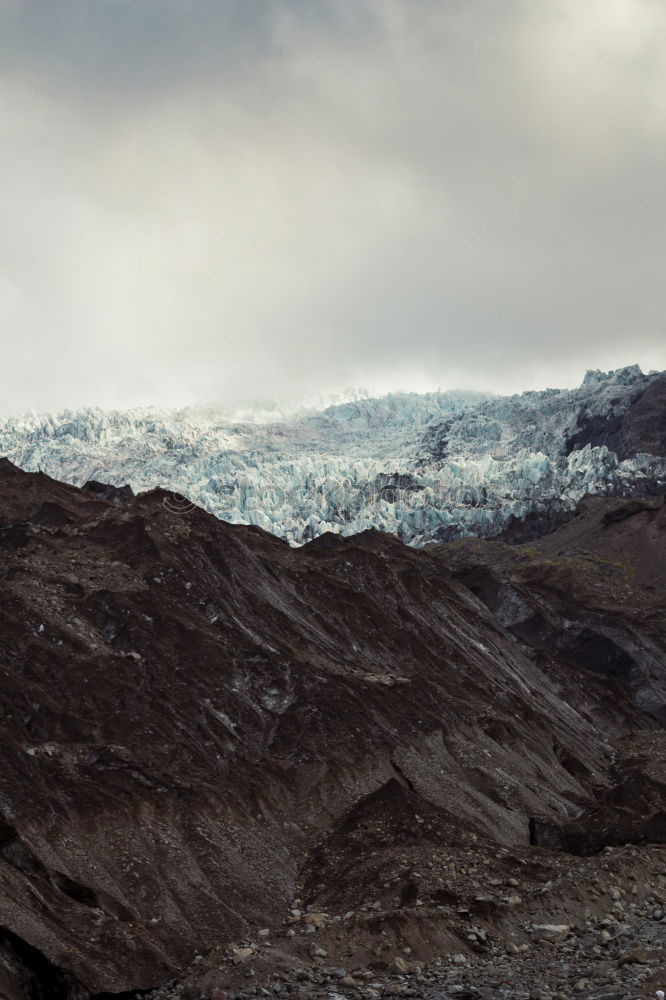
{"type": "Point", "coordinates": [230, 199]}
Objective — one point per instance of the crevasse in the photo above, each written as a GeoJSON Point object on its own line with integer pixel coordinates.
{"type": "Point", "coordinates": [426, 467]}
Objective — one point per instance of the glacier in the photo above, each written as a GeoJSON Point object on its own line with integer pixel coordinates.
{"type": "Point", "coordinates": [427, 467]}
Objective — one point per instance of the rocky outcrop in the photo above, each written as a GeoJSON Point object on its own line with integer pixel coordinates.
{"type": "Point", "coordinates": [633, 424]}
{"type": "Point", "coordinates": [631, 811]}
{"type": "Point", "coordinates": [587, 600]}
{"type": "Point", "coordinates": [590, 594]}
{"type": "Point", "coordinates": [115, 494]}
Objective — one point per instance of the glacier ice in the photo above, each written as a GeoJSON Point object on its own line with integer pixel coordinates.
{"type": "Point", "coordinates": [425, 466]}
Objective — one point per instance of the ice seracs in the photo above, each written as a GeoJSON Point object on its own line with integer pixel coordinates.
{"type": "Point", "coordinates": [425, 467]}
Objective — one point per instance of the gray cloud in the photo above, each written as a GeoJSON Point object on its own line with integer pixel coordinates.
{"type": "Point", "coordinates": [237, 198]}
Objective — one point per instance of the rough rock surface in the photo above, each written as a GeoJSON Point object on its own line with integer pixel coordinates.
{"type": "Point", "coordinates": [211, 740]}
{"type": "Point", "coordinates": [591, 595]}
{"type": "Point", "coordinates": [637, 426]}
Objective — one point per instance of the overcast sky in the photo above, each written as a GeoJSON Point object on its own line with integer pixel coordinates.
{"type": "Point", "coordinates": [227, 199]}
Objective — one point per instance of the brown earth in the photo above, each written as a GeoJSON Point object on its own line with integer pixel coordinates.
{"type": "Point", "coordinates": [201, 725]}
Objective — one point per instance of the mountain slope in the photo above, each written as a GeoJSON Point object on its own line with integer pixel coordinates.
{"type": "Point", "coordinates": [592, 593]}
{"type": "Point", "coordinates": [195, 713]}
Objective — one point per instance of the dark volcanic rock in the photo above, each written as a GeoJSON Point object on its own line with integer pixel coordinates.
{"type": "Point", "coordinates": [589, 598]}
{"type": "Point", "coordinates": [196, 719]}
{"type": "Point", "coordinates": [591, 594]}
{"type": "Point", "coordinates": [633, 810]}
{"type": "Point", "coordinates": [533, 525]}
{"type": "Point", "coordinates": [547, 518]}
{"type": "Point", "coordinates": [630, 429]}
{"type": "Point", "coordinates": [114, 494]}
{"type": "Point", "coordinates": [392, 487]}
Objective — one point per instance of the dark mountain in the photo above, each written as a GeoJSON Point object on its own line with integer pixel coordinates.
{"type": "Point", "coordinates": [631, 426]}
{"type": "Point", "coordinates": [201, 724]}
